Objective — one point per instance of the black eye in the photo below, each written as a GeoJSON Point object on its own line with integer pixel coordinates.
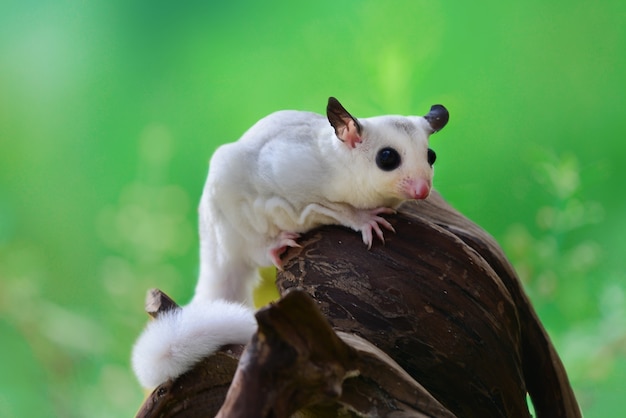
{"type": "Point", "coordinates": [388, 159]}
{"type": "Point", "coordinates": [431, 157]}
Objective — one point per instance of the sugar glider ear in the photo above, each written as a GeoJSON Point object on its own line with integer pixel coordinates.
{"type": "Point", "coordinates": [347, 127]}
{"type": "Point", "coordinates": [437, 117]}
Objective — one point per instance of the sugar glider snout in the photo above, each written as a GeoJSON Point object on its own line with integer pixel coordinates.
{"type": "Point", "coordinates": [415, 189]}
{"type": "Point", "coordinates": [421, 189]}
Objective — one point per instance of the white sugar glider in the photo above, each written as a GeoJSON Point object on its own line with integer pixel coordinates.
{"type": "Point", "coordinates": [289, 173]}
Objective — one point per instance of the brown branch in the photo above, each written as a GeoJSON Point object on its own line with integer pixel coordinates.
{"type": "Point", "coordinates": [158, 302]}
{"type": "Point", "coordinates": [442, 300]}
{"type": "Point", "coordinates": [435, 323]}
{"type": "Point", "coordinates": [294, 360]}
{"type": "Point", "coordinates": [297, 361]}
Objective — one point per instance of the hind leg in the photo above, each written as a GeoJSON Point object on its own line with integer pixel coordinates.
{"type": "Point", "coordinates": [283, 241]}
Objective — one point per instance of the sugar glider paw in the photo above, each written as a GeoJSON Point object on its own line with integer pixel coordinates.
{"type": "Point", "coordinates": [175, 341]}
{"type": "Point", "coordinates": [372, 222]}
{"type": "Point", "coordinates": [283, 241]}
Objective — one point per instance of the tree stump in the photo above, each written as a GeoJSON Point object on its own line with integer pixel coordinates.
{"type": "Point", "coordinates": [434, 323]}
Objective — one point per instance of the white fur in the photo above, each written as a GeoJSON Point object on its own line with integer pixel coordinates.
{"type": "Point", "coordinates": [173, 343]}
{"type": "Point", "coordinates": [289, 173]}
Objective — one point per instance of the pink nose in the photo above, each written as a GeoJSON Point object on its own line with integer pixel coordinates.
{"type": "Point", "coordinates": [420, 189]}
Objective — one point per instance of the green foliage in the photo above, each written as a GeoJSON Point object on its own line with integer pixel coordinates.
{"type": "Point", "coordinates": [564, 268]}
{"type": "Point", "coordinates": [110, 110]}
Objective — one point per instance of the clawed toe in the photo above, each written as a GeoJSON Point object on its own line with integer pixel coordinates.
{"type": "Point", "coordinates": [373, 225]}
{"type": "Point", "coordinates": [284, 241]}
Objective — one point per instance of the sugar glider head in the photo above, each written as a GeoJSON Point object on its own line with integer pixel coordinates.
{"type": "Point", "coordinates": [392, 150]}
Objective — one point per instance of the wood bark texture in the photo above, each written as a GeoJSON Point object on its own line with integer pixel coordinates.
{"type": "Point", "coordinates": [432, 323]}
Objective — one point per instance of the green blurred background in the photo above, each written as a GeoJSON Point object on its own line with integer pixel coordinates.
{"type": "Point", "coordinates": [110, 110]}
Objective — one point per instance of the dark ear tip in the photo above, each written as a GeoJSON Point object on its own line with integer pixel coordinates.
{"type": "Point", "coordinates": [437, 117]}
{"type": "Point", "coordinates": [437, 108]}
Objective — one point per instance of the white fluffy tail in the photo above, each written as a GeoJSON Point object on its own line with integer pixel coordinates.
{"type": "Point", "coordinates": [175, 341]}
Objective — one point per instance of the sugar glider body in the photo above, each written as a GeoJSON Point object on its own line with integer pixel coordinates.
{"type": "Point", "coordinates": [291, 172]}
